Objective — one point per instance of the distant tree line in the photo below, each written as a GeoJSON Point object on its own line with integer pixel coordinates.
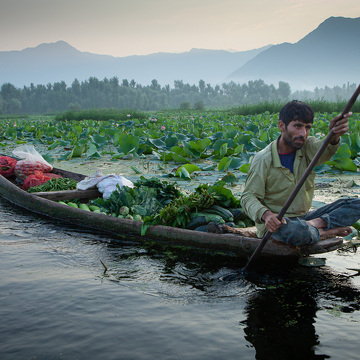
{"type": "Point", "coordinates": [107, 93]}
{"type": "Point", "coordinates": [334, 94]}
{"type": "Point", "coordinates": [110, 93]}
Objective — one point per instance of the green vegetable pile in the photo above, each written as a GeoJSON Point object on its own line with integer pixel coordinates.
{"type": "Point", "coordinates": [146, 198]}
{"type": "Point", "coordinates": [207, 203]}
{"type": "Point", "coordinates": [178, 212]}
{"type": "Point", "coordinates": [55, 184]}
{"type": "Point", "coordinates": [156, 202]}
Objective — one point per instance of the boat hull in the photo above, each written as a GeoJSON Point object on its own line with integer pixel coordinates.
{"type": "Point", "coordinates": [230, 243]}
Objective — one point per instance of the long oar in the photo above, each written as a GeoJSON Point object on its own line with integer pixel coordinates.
{"type": "Point", "coordinates": [303, 178]}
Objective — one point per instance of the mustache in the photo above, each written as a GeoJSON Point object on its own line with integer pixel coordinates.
{"type": "Point", "coordinates": [299, 138]}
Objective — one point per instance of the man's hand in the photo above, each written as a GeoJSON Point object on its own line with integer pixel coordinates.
{"type": "Point", "coordinates": [272, 223]}
{"type": "Point", "coordinates": [340, 127]}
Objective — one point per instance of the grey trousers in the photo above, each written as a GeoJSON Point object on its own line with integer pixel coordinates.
{"type": "Point", "coordinates": [296, 231]}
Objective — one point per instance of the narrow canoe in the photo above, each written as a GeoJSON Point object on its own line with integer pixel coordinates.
{"type": "Point", "coordinates": [46, 204]}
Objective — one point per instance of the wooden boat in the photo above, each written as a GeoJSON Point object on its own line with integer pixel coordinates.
{"type": "Point", "coordinates": [45, 203]}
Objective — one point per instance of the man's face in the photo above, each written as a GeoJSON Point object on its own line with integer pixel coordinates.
{"type": "Point", "coordinates": [295, 133]}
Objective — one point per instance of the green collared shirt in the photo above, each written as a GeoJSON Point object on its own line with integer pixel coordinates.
{"type": "Point", "coordinates": [269, 184]}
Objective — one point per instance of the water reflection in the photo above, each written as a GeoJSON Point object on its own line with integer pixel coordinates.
{"type": "Point", "coordinates": [276, 307]}
{"type": "Point", "coordinates": [280, 322]}
{"type": "Point", "coordinates": [281, 316]}
{"type": "Point", "coordinates": [281, 302]}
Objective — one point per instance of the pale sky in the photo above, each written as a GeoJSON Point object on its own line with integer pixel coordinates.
{"type": "Point", "coordinates": [139, 27]}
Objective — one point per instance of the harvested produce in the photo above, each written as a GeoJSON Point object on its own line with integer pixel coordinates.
{"type": "Point", "coordinates": [36, 179]}
{"type": "Point", "coordinates": [218, 210]}
{"type": "Point", "coordinates": [146, 198]}
{"type": "Point", "coordinates": [55, 184]}
{"type": "Point", "coordinates": [137, 217]}
{"type": "Point", "coordinates": [124, 210]}
{"type": "Point", "coordinates": [93, 207]}
{"type": "Point", "coordinates": [83, 206]}
{"type": "Point", "coordinates": [23, 169]}
{"type": "Point", "coordinates": [202, 218]}
{"type": "Point", "coordinates": [195, 211]}
{"type": "Point", "coordinates": [72, 204]}
{"type": "Point", "coordinates": [154, 202]}
{"type": "Point", "coordinates": [7, 166]}
{"type": "Point", "coordinates": [178, 212]}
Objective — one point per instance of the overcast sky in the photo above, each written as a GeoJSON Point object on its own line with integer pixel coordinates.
{"type": "Point", "coordinates": [137, 27]}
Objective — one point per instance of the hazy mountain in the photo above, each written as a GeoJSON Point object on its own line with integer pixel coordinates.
{"type": "Point", "coordinates": [52, 62]}
{"type": "Point", "coordinates": [329, 55]}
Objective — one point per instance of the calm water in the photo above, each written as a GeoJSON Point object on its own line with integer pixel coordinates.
{"type": "Point", "coordinates": [56, 302]}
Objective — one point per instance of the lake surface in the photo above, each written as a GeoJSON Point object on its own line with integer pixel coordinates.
{"type": "Point", "coordinates": [57, 302]}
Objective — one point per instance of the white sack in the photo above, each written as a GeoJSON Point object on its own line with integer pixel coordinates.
{"type": "Point", "coordinates": [105, 184]}
{"type": "Point", "coordinates": [108, 185]}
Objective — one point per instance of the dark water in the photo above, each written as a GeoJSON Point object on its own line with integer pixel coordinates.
{"type": "Point", "coordinates": [56, 302]}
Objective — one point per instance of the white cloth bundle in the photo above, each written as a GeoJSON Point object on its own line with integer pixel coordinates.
{"type": "Point", "coordinates": [105, 184]}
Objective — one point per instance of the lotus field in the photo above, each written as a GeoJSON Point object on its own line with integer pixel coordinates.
{"type": "Point", "coordinates": [187, 146]}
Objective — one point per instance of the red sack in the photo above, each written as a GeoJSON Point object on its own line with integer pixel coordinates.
{"type": "Point", "coordinates": [38, 178]}
{"type": "Point", "coordinates": [7, 166]}
{"type": "Point", "coordinates": [32, 161]}
{"type": "Point", "coordinates": [23, 169]}
{"type": "Point", "coordinates": [51, 175]}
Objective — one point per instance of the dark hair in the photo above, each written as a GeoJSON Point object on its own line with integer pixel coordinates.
{"type": "Point", "coordinates": [296, 110]}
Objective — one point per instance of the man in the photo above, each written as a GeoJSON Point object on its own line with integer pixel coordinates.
{"type": "Point", "coordinates": [274, 172]}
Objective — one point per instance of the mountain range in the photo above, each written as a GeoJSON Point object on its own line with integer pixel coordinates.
{"type": "Point", "coordinates": [329, 55]}
{"type": "Point", "coordinates": [53, 62]}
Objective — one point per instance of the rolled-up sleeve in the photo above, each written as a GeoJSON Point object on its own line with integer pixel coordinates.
{"type": "Point", "coordinates": [313, 145]}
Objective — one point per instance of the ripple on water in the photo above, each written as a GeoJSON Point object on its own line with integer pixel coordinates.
{"type": "Point", "coordinates": [56, 300]}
